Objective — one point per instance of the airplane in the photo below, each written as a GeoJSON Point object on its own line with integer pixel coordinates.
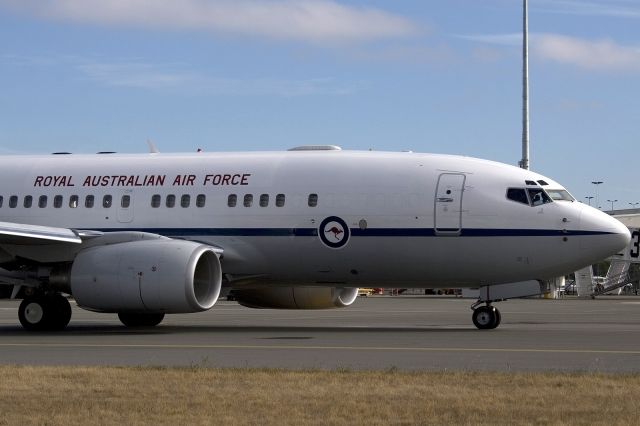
{"type": "Point", "coordinates": [144, 235]}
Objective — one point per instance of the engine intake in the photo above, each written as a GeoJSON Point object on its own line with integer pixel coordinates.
{"type": "Point", "coordinates": [297, 297]}
{"type": "Point", "coordinates": [163, 276]}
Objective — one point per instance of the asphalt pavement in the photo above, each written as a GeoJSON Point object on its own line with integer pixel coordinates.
{"type": "Point", "coordinates": [376, 332]}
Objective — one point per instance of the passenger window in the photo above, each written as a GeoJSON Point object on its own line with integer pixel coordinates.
{"type": "Point", "coordinates": [42, 201]}
{"type": "Point", "coordinates": [125, 202]}
{"type": "Point", "coordinates": [248, 200]}
{"type": "Point", "coordinates": [201, 199]}
{"type": "Point", "coordinates": [89, 201]}
{"type": "Point", "coordinates": [518, 195]}
{"type": "Point", "coordinates": [313, 200]}
{"type": "Point", "coordinates": [264, 200]}
{"type": "Point", "coordinates": [74, 201]}
{"type": "Point", "coordinates": [232, 200]}
{"type": "Point", "coordinates": [185, 201]}
{"type": "Point", "coordinates": [171, 201]}
{"type": "Point", "coordinates": [1, 200]}
{"type": "Point", "coordinates": [28, 201]}
{"type": "Point", "coordinates": [538, 197]}
{"type": "Point", "coordinates": [13, 201]}
{"type": "Point", "coordinates": [107, 200]}
{"type": "Point", "coordinates": [280, 200]}
{"type": "Point", "coordinates": [57, 201]}
{"type": "Point", "coordinates": [155, 201]}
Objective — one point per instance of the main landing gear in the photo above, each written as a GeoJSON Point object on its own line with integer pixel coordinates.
{"type": "Point", "coordinates": [44, 312]}
{"type": "Point", "coordinates": [140, 319]}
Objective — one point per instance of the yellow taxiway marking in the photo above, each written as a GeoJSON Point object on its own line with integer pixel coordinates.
{"type": "Point", "coordinates": [302, 347]}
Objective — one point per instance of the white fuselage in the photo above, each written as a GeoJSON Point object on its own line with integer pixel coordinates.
{"type": "Point", "coordinates": [412, 220]}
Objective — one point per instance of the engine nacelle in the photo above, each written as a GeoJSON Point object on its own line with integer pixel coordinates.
{"type": "Point", "coordinates": [160, 276]}
{"type": "Point", "coordinates": [296, 297]}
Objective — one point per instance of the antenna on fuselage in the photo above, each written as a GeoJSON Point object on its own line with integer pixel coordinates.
{"type": "Point", "coordinates": [153, 149]}
{"type": "Point", "coordinates": [524, 163]}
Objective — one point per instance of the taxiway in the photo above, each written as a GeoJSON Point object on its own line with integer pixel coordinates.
{"type": "Point", "coordinates": [406, 332]}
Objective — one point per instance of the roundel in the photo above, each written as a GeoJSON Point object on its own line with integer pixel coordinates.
{"type": "Point", "coordinates": [334, 232]}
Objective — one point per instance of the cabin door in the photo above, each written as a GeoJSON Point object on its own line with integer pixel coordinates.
{"type": "Point", "coordinates": [448, 204]}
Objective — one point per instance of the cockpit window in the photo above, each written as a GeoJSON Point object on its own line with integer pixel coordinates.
{"type": "Point", "coordinates": [538, 197]}
{"type": "Point", "coordinates": [517, 194]}
{"type": "Point", "coordinates": [560, 195]}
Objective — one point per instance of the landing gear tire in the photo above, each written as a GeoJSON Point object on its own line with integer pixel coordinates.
{"type": "Point", "coordinates": [140, 320]}
{"type": "Point", "coordinates": [486, 317]}
{"type": "Point", "coordinates": [498, 318]}
{"type": "Point", "coordinates": [44, 312]}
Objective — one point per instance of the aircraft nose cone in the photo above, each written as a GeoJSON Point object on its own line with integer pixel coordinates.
{"type": "Point", "coordinates": [605, 235]}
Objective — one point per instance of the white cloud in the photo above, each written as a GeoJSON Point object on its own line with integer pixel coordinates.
{"type": "Point", "coordinates": [433, 55]}
{"type": "Point", "coordinates": [613, 8]}
{"type": "Point", "coordinates": [136, 74]}
{"type": "Point", "coordinates": [320, 21]}
{"type": "Point", "coordinates": [180, 78]}
{"type": "Point", "coordinates": [514, 39]}
{"type": "Point", "coordinates": [174, 78]}
{"type": "Point", "coordinates": [602, 55]}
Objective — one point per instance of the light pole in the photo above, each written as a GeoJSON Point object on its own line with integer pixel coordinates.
{"type": "Point", "coordinates": [589, 199]}
{"type": "Point", "coordinates": [524, 163]}
{"type": "Point", "coordinates": [612, 201]}
{"type": "Point", "coordinates": [597, 183]}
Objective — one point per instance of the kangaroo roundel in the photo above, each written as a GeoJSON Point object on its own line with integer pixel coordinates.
{"type": "Point", "coordinates": [334, 232]}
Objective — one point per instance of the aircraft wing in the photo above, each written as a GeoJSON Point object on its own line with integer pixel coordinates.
{"type": "Point", "coordinates": [16, 233]}
{"type": "Point", "coordinates": [52, 244]}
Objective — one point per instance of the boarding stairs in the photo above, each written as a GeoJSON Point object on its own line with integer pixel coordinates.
{"type": "Point", "coordinates": [618, 276]}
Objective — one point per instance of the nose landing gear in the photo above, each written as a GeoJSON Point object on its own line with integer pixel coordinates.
{"type": "Point", "coordinates": [486, 317]}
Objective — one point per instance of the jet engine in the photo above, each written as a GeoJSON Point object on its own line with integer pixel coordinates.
{"type": "Point", "coordinates": [296, 297]}
{"type": "Point", "coordinates": [157, 276]}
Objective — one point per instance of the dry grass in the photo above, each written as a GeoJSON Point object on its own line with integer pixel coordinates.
{"type": "Point", "coordinates": [106, 395]}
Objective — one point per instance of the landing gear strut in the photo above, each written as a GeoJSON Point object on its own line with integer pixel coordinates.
{"type": "Point", "coordinates": [44, 312]}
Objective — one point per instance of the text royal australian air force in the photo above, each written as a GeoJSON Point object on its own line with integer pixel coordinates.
{"type": "Point", "coordinates": [227, 179]}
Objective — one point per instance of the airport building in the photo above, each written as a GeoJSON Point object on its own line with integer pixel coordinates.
{"type": "Point", "coordinates": [630, 217]}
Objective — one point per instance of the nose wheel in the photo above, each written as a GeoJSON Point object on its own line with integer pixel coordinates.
{"type": "Point", "coordinates": [486, 317]}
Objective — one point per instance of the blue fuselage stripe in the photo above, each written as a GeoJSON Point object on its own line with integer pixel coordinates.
{"type": "Point", "coordinates": [355, 232]}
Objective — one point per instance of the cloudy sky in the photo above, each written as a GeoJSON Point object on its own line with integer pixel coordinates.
{"type": "Point", "coordinates": [424, 75]}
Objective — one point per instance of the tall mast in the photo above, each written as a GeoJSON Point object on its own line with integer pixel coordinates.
{"type": "Point", "coordinates": [524, 163]}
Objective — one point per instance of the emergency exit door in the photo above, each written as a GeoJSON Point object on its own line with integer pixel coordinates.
{"type": "Point", "coordinates": [448, 204]}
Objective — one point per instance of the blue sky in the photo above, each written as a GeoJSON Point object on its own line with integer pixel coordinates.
{"type": "Point", "coordinates": [430, 76]}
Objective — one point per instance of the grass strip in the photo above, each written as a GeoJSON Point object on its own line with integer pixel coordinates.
{"type": "Point", "coordinates": [198, 395]}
